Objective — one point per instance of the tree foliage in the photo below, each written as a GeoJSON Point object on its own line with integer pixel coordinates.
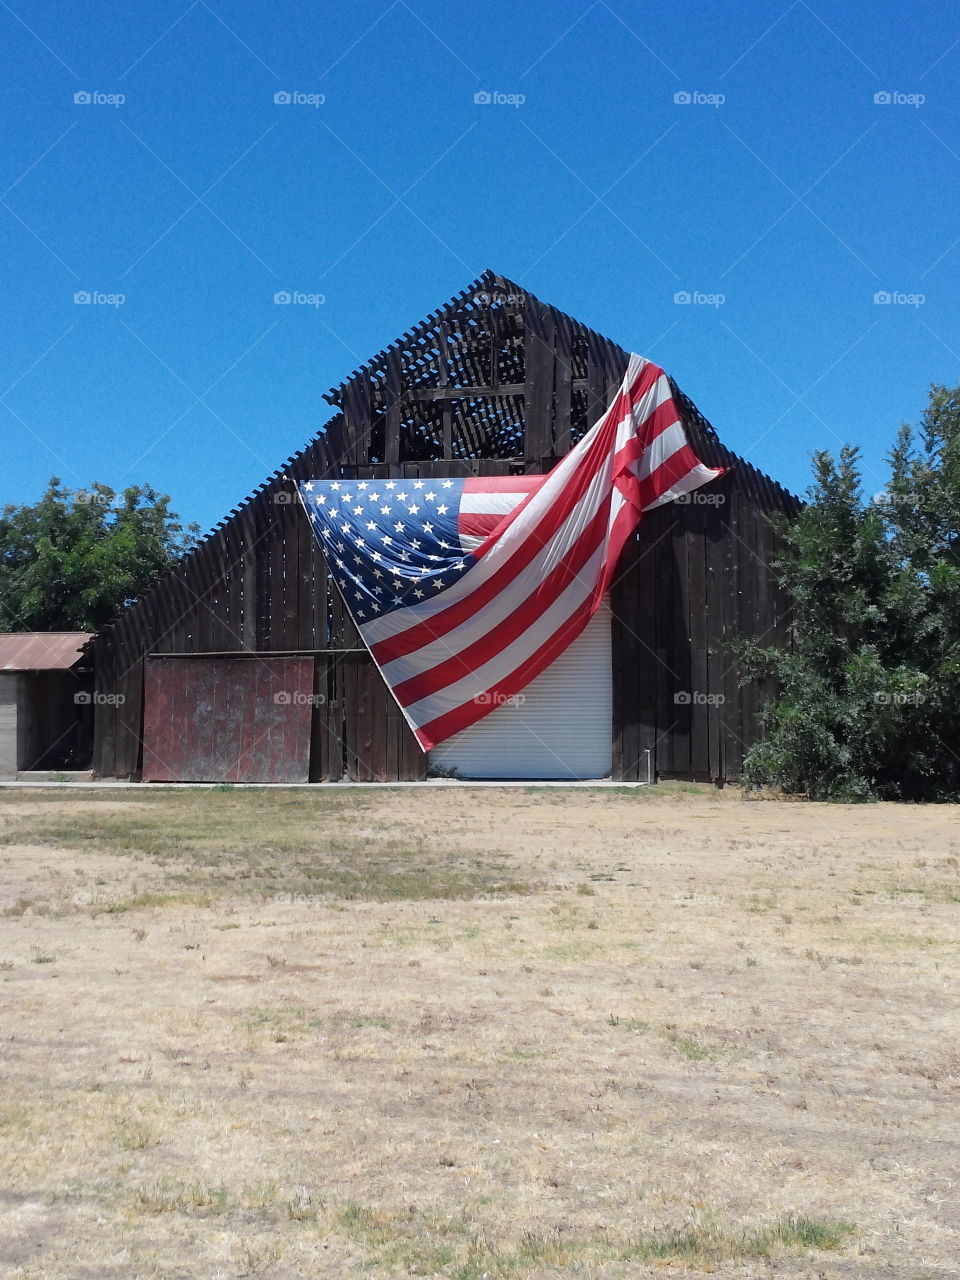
{"type": "Point", "coordinates": [869, 691]}
{"type": "Point", "coordinates": [72, 560]}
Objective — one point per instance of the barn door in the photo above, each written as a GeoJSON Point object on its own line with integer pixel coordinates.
{"type": "Point", "coordinates": [227, 720]}
{"type": "Point", "coordinates": [560, 727]}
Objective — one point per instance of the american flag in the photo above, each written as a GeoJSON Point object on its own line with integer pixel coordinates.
{"type": "Point", "coordinates": [465, 589]}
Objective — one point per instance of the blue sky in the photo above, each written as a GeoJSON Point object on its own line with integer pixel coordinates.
{"type": "Point", "coordinates": [781, 186]}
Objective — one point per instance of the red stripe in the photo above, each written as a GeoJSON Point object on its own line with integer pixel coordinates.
{"type": "Point", "coordinates": [675, 467]}
{"type": "Point", "coordinates": [475, 525]}
{"type": "Point", "coordinates": [422, 633]}
{"type": "Point", "coordinates": [469, 713]}
{"type": "Point", "coordinates": [487, 646]}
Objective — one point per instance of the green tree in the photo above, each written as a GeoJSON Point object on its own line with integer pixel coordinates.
{"type": "Point", "coordinates": [72, 560]}
{"type": "Point", "coordinates": [869, 689]}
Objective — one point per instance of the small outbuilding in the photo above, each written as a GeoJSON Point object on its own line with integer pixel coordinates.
{"type": "Point", "coordinates": [46, 702]}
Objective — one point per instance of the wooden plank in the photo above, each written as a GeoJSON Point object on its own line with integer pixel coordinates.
{"type": "Point", "coordinates": [653, 530]}
{"type": "Point", "coordinates": [564, 384]}
{"type": "Point", "coordinates": [698, 607]}
{"type": "Point", "coordinates": [732, 745]}
{"type": "Point", "coordinates": [538, 393]}
{"type": "Point", "coordinates": [392, 391]}
{"type": "Point", "coordinates": [715, 533]}
{"type": "Point", "coordinates": [747, 555]}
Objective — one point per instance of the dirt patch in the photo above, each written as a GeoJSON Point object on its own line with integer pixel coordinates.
{"type": "Point", "coordinates": [544, 1033]}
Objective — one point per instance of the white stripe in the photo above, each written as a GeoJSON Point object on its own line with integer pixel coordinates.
{"type": "Point", "coordinates": [489, 504]}
{"type": "Point", "coordinates": [514, 655]}
{"type": "Point", "coordinates": [667, 443]}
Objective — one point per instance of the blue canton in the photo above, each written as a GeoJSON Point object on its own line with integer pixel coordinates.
{"type": "Point", "coordinates": [388, 543]}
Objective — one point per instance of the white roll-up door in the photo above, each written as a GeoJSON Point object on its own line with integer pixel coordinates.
{"type": "Point", "coordinates": [563, 727]}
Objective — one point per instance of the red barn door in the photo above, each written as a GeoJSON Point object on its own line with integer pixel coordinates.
{"type": "Point", "coordinates": [227, 719]}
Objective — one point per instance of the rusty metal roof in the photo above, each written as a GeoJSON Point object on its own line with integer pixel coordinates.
{"type": "Point", "coordinates": [41, 650]}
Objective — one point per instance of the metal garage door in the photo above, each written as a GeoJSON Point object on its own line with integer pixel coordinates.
{"type": "Point", "coordinates": [562, 729]}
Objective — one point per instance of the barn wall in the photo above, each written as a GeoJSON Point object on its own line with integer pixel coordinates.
{"type": "Point", "coordinates": [694, 574]}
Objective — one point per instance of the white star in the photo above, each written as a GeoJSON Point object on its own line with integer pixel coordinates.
{"type": "Point", "coordinates": [371, 524]}
{"type": "Point", "coordinates": [418, 593]}
{"type": "Point", "coordinates": [460, 565]}
{"type": "Point", "coordinates": [309, 486]}
{"type": "Point", "coordinates": [341, 546]}
{"type": "Point", "coordinates": [375, 555]}
{"type": "Point", "coordinates": [335, 485]}
{"type": "Point", "coordinates": [345, 527]}
{"type": "Point", "coordinates": [414, 509]}
{"type": "Point", "coordinates": [439, 584]}
{"type": "Point", "coordinates": [399, 526]}
{"type": "Point", "coordinates": [390, 485]}
{"type": "Point", "coordinates": [362, 484]}
{"type": "Point", "coordinates": [448, 484]}
{"type": "Point", "coordinates": [431, 495]}
{"type": "Point", "coordinates": [404, 555]}
{"type": "Point", "coordinates": [321, 498]}
{"type": "Point", "coordinates": [358, 511]}
{"type": "Point", "coordinates": [401, 496]}
{"type": "Point", "coordinates": [387, 540]}
{"type": "Point", "coordinates": [427, 527]}
{"type": "Point", "coordinates": [385, 510]}
{"type": "Point", "coordinates": [418, 484]}
{"type": "Point", "coordinates": [397, 600]}
{"type": "Point", "coordinates": [374, 497]}
{"type": "Point", "coordinates": [442, 510]}
{"type": "Point", "coordinates": [415, 544]}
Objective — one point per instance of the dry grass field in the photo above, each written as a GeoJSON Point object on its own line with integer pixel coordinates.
{"type": "Point", "coordinates": [477, 1033]}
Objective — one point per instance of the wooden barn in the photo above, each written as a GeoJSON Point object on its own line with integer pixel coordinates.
{"type": "Point", "coordinates": [243, 665]}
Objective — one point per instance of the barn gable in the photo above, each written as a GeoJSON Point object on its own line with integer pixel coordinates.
{"type": "Point", "coordinates": [496, 382]}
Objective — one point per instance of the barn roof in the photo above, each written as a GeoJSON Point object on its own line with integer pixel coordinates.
{"type": "Point", "coordinates": [41, 650]}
